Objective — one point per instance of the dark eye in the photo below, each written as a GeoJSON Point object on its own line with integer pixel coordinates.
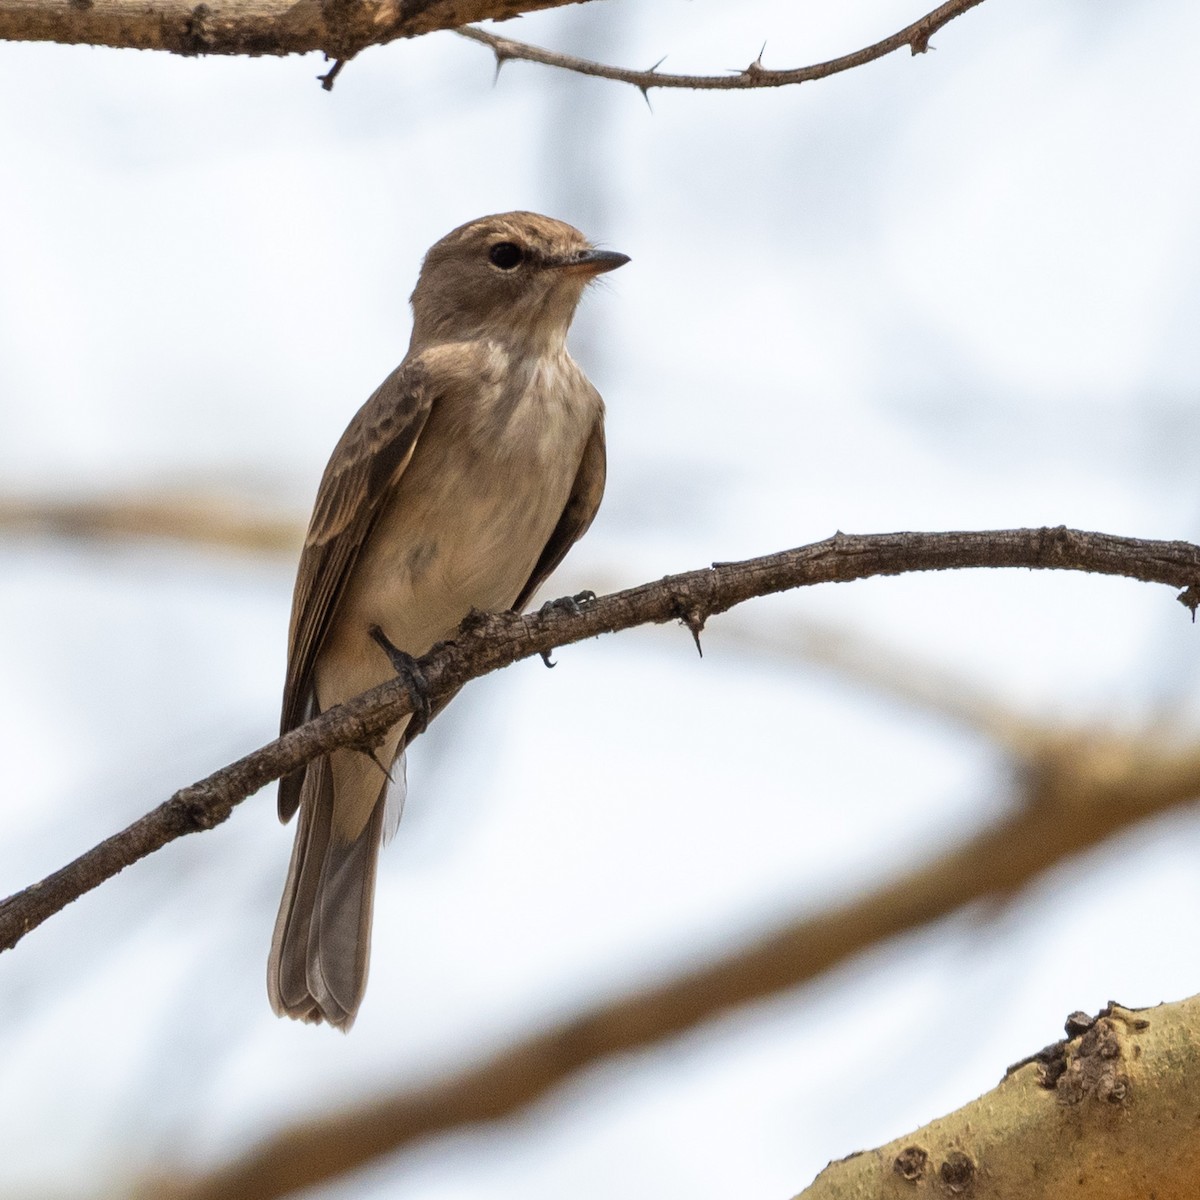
{"type": "Point", "coordinates": [506, 255]}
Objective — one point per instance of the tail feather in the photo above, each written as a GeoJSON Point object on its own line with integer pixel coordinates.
{"type": "Point", "coordinates": [339, 938]}
{"type": "Point", "coordinates": [321, 947]}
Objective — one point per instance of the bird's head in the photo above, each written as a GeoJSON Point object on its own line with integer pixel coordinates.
{"type": "Point", "coordinates": [513, 276]}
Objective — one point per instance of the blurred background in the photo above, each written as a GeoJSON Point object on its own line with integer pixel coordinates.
{"type": "Point", "coordinates": [952, 291]}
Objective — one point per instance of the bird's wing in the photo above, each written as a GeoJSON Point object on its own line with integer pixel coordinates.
{"type": "Point", "coordinates": [363, 469]}
{"type": "Point", "coordinates": [581, 507]}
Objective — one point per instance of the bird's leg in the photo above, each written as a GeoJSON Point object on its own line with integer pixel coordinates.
{"type": "Point", "coordinates": [409, 672]}
{"type": "Point", "coordinates": [571, 605]}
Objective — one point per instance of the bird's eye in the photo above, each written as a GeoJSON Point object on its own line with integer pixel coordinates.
{"type": "Point", "coordinates": [506, 255]}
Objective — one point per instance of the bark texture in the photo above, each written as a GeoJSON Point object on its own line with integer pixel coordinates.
{"type": "Point", "coordinates": [1109, 1114]}
{"type": "Point", "coordinates": [338, 27]}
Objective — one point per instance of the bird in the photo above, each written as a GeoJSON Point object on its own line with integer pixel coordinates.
{"type": "Point", "coordinates": [459, 485]}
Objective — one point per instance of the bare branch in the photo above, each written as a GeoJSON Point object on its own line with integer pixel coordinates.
{"type": "Point", "coordinates": [1108, 1114]}
{"type": "Point", "coordinates": [340, 28]}
{"type": "Point", "coordinates": [1073, 797]}
{"type": "Point", "coordinates": [915, 36]}
{"type": "Point", "coordinates": [488, 642]}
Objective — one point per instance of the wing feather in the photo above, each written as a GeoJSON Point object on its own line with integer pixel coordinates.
{"type": "Point", "coordinates": [364, 467]}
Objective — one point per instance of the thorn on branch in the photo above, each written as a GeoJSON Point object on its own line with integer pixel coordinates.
{"type": "Point", "coordinates": [330, 75]}
{"type": "Point", "coordinates": [644, 88]}
{"type": "Point", "coordinates": [374, 757]}
{"type": "Point", "coordinates": [694, 619]}
{"type": "Point", "coordinates": [1190, 599]}
{"type": "Point", "coordinates": [501, 58]}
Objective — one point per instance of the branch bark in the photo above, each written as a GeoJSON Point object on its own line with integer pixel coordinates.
{"type": "Point", "coordinates": [338, 27]}
{"type": "Point", "coordinates": [489, 642]}
{"type": "Point", "coordinates": [915, 36]}
{"type": "Point", "coordinates": [341, 28]}
{"type": "Point", "coordinates": [1109, 1114]}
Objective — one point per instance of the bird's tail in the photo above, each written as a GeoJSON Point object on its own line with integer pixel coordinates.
{"type": "Point", "coordinates": [322, 942]}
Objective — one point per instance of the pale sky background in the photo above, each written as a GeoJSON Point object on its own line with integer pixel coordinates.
{"type": "Point", "coordinates": [954, 291]}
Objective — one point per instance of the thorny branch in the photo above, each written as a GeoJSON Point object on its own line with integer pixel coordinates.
{"type": "Point", "coordinates": [915, 36]}
{"type": "Point", "coordinates": [342, 28]}
{"type": "Point", "coordinates": [488, 642]}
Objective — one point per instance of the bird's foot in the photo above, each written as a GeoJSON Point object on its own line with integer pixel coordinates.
{"type": "Point", "coordinates": [409, 672]}
{"type": "Point", "coordinates": [571, 605]}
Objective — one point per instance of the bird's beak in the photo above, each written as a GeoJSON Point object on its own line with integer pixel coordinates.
{"type": "Point", "coordinates": [591, 262]}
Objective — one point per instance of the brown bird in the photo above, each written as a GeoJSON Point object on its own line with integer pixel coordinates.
{"type": "Point", "coordinates": [461, 483]}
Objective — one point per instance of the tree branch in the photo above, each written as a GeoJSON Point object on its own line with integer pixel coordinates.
{"type": "Point", "coordinates": [488, 642]}
{"type": "Point", "coordinates": [1108, 1114]}
{"type": "Point", "coordinates": [915, 36]}
{"type": "Point", "coordinates": [338, 27]}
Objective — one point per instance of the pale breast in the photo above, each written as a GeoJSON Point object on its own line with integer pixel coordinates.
{"type": "Point", "coordinates": [486, 486]}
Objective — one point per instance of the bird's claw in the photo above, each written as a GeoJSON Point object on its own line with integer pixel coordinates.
{"type": "Point", "coordinates": [571, 605]}
{"type": "Point", "coordinates": [409, 672]}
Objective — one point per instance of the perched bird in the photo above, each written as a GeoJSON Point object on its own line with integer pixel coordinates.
{"type": "Point", "coordinates": [461, 483]}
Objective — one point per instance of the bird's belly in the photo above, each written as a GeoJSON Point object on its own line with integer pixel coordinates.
{"type": "Point", "coordinates": [467, 536]}
{"type": "Point", "coordinates": [478, 554]}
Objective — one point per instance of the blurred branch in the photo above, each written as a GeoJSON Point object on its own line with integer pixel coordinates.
{"type": "Point", "coordinates": [1075, 795]}
{"type": "Point", "coordinates": [915, 36]}
{"type": "Point", "coordinates": [1108, 1114]}
{"type": "Point", "coordinates": [917, 683]}
{"type": "Point", "coordinates": [489, 642]}
{"type": "Point", "coordinates": [341, 28]}
{"type": "Point", "coordinates": [205, 517]}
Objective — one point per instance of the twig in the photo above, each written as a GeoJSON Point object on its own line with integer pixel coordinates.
{"type": "Point", "coordinates": [916, 36]}
{"type": "Point", "coordinates": [487, 643]}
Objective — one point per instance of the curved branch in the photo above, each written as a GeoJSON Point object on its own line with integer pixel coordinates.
{"type": "Point", "coordinates": [488, 642]}
{"type": "Point", "coordinates": [915, 36]}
